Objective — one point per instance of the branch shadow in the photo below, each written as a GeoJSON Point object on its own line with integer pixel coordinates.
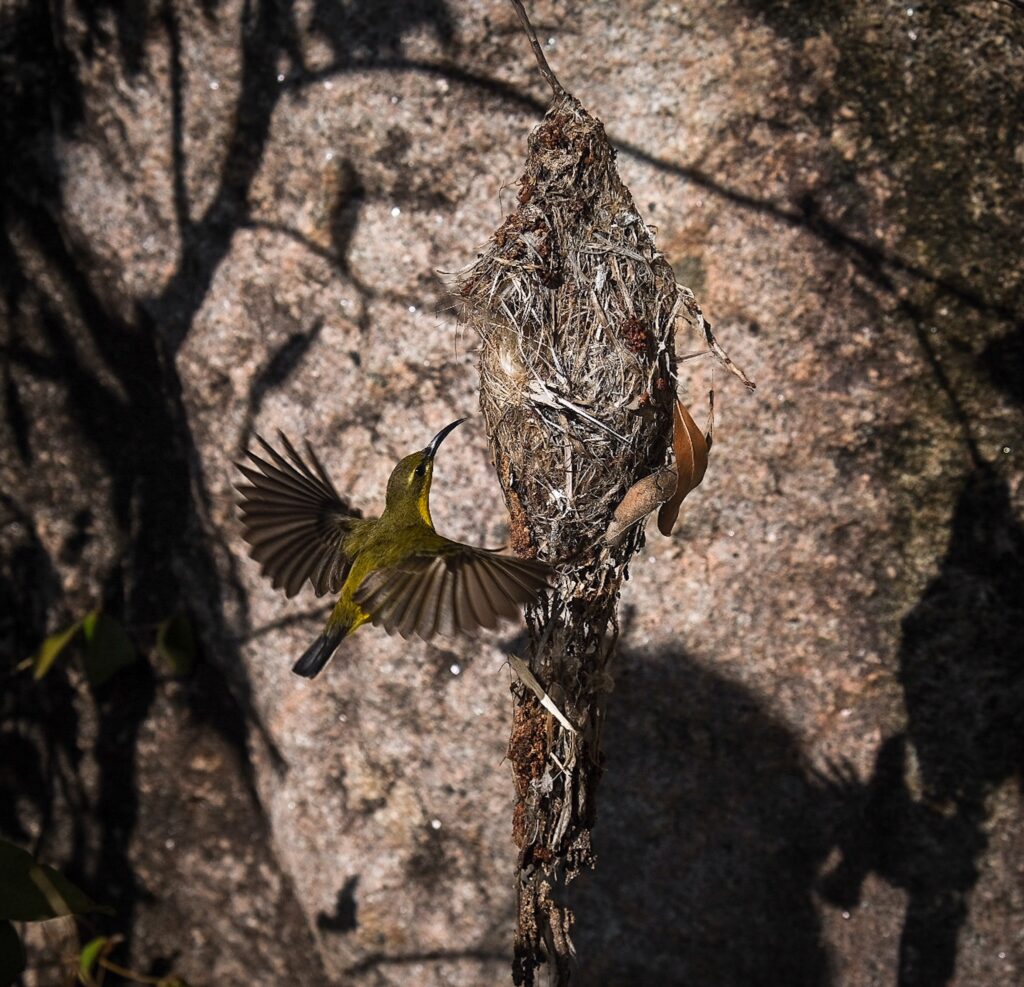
{"type": "Point", "coordinates": [113, 362]}
{"type": "Point", "coordinates": [880, 264]}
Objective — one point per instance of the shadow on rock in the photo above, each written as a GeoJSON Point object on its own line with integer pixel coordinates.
{"type": "Point", "coordinates": [713, 830]}
{"type": "Point", "coordinates": [109, 363]}
{"type": "Point", "coordinates": [920, 825]}
{"type": "Point", "coordinates": [375, 30]}
{"type": "Point", "coordinates": [710, 835]}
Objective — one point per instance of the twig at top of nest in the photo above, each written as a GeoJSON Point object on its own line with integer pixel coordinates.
{"type": "Point", "coordinates": [542, 63]}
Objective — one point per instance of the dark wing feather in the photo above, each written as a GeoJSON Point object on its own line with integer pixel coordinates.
{"type": "Point", "coordinates": [294, 520]}
{"type": "Point", "coordinates": [456, 591]}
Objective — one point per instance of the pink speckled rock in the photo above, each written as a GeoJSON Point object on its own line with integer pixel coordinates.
{"type": "Point", "coordinates": [216, 223]}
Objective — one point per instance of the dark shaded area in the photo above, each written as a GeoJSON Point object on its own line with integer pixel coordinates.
{"type": "Point", "coordinates": [920, 823]}
{"type": "Point", "coordinates": [282, 364]}
{"type": "Point", "coordinates": [64, 326]}
{"type": "Point", "coordinates": [34, 768]}
{"type": "Point", "coordinates": [1003, 360]}
{"type": "Point", "coordinates": [357, 29]}
{"type": "Point", "coordinates": [961, 664]}
{"type": "Point", "coordinates": [15, 415]}
{"type": "Point", "coordinates": [710, 898]}
{"type": "Point", "coordinates": [345, 915]}
{"type": "Point", "coordinates": [945, 135]}
{"type": "Point", "coordinates": [710, 834]}
{"type": "Point", "coordinates": [916, 846]}
{"type": "Point", "coordinates": [379, 962]}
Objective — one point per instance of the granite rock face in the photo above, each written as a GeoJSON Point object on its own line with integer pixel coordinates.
{"type": "Point", "coordinates": [224, 218]}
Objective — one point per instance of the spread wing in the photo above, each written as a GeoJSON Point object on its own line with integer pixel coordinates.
{"type": "Point", "coordinates": [457, 591]}
{"type": "Point", "coordinates": [295, 522]}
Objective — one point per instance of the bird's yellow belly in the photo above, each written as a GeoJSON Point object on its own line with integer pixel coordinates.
{"type": "Point", "coordinates": [347, 613]}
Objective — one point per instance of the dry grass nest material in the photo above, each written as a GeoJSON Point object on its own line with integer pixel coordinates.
{"type": "Point", "coordinates": [575, 308]}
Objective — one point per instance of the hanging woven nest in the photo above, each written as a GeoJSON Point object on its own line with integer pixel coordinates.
{"type": "Point", "coordinates": [574, 306]}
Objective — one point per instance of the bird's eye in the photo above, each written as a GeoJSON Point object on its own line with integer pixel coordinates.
{"type": "Point", "coordinates": [421, 470]}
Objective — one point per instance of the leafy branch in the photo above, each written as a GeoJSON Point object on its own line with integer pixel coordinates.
{"type": "Point", "coordinates": [106, 647]}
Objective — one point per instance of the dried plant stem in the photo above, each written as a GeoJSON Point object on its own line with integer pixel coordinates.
{"type": "Point", "coordinates": [542, 62]}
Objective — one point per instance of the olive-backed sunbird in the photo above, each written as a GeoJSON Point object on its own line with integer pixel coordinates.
{"type": "Point", "coordinates": [394, 571]}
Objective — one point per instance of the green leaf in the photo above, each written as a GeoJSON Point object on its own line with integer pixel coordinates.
{"type": "Point", "coordinates": [12, 955]}
{"type": "Point", "coordinates": [51, 648]}
{"type": "Point", "coordinates": [108, 648]}
{"type": "Point", "coordinates": [176, 644]}
{"type": "Point", "coordinates": [33, 892]}
{"type": "Point", "coordinates": [91, 952]}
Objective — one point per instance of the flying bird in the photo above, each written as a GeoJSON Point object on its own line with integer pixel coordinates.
{"type": "Point", "coordinates": [394, 571]}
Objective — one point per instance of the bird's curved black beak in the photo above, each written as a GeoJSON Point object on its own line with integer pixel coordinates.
{"type": "Point", "coordinates": [431, 451]}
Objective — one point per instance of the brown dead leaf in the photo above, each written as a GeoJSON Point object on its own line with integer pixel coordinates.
{"type": "Point", "coordinates": [691, 449]}
{"type": "Point", "coordinates": [644, 496]}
